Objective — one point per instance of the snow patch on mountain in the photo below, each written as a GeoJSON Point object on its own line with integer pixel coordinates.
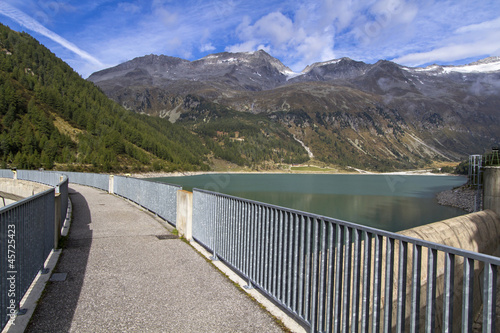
{"type": "Point", "coordinates": [290, 74]}
{"type": "Point", "coordinates": [488, 65]}
{"type": "Point", "coordinates": [318, 64]}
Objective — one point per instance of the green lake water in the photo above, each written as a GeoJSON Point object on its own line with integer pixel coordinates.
{"type": "Point", "coordinates": [389, 202]}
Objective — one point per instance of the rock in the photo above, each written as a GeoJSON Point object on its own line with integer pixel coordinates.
{"type": "Point", "coordinates": [462, 197]}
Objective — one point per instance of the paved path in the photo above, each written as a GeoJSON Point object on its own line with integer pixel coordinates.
{"type": "Point", "coordinates": [122, 278]}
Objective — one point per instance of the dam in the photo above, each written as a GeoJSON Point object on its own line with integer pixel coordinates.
{"type": "Point", "coordinates": [326, 274]}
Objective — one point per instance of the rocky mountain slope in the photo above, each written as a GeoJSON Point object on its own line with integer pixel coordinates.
{"type": "Point", "coordinates": [379, 116]}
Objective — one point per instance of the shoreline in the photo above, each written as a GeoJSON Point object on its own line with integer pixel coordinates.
{"type": "Point", "coordinates": [462, 197]}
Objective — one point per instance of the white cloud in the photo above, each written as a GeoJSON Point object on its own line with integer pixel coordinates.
{"type": "Point", "coordinates": [31, 24]}
{"type": "Point", "coordinates": [167, 17]}
{"type": "Point", "coordinates": [283, 37]}
{"type": "Point", "coordinates": [473, 40]}
{"type": "Point", "coordinates": [172, 28]}
{"type": "Point", "coordinates": [487, 25]}
{"type": "Point", "coordinates": [248, 46]}
{"type": "Point", "coordinates": [453, 52]}
{"type": "Point", "coordinates": [207, 47]}
{"type": "Point", "coordinates": [275, 28]}
{"type": "Point", "coordinates": [320, 31]}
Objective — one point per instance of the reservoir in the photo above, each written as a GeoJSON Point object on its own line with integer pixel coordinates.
{"type": "Point", "coordinates": [390, 202]}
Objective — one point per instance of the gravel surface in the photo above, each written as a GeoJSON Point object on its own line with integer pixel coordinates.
{"type": "Point", "coordinates": [462, 197]}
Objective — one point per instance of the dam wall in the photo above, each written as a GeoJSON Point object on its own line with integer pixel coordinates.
{"type": "Point", "coordinates": [476, 232]}
{"type": "Point", "coordinates": [13, 190]}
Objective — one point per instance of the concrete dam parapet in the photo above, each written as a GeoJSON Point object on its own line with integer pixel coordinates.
{"type": "Point", "coordinates": [15, 189]}
{"type": "Point", "coordinates": [476, 232]}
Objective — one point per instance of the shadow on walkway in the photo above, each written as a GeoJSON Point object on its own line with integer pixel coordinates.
{"type": "Point", "coordinates": [56, 309]}
{"type": "Point", "coordinates": [124, 275]}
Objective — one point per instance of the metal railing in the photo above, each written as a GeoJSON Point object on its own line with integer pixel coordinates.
{"type": "Point", "coordinates": [330, 274]}
{"type": "Point", "coordinates": [4, 173]}
{"type": "Point", "coordinates": [55, 179]}
{"type": "Point", "coordinates": [159, 198]}
{"type": "Point", "coordinates": [336, 276]}
{"type": "Point", "coordinates": [97, 180]}
{"type": "Point", "coordinates": [476, 179]}
{"type": "Point", "coordinates": [26, 239]}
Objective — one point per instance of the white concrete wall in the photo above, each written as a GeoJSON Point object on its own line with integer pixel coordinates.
{"type": "Point", "coordinates": [21, 188]}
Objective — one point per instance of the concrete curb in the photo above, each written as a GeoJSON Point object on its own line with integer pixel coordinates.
{"type": "Point", "coordinates": [274, 310]}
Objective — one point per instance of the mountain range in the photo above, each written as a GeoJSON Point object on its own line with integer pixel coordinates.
{"type": "Point", "coordinates": [380, 116]}
{"type": "Point", "coordinates": [51, 118]}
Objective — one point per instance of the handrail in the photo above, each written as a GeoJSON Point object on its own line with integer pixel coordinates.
{"type": "Point", "coordinates": [27, 238]}
{"type": "Point", "coordinates": [440, 247]}
{"type": "Point", "coordinates": [97, 180]}
{"type": "Point", "coordinates": [335, 275]}
{"type": "Point", "coordinates": [159, 198]}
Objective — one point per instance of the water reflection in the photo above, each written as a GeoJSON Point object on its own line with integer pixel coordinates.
{"type": "Point", "coordinates": [385, 212]}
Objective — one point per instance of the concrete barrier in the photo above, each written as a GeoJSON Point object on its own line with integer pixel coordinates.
{"type": "Point", "coordinates": [477, 232]}
{"type": "Point", "coordinates": [21, 189]}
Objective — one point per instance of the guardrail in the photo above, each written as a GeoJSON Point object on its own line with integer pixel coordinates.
{"type": "Point", "coordinates": [337, 276]}
{"type": "Point", "coordinates": [27, 237]}
{"type": "Point", "coordinates": [159, 198]}
{"type": "Point", "coordinates": [57, 180]}
{"type": "Point", "coordinates": [6, 173]}
{"type": "Point", "coordinates": [97, 180]}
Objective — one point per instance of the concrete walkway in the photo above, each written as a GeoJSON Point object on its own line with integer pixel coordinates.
{"type": "Point", "coordinates": [122, 278]}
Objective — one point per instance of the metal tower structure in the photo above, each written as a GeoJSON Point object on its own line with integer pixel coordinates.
{"type": "Point", "coordinates": [493, 158]}
{"type": "Point", "coordinates": [476, 178]}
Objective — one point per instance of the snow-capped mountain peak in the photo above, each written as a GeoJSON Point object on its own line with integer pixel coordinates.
{"type": "Point", "coordinates": [487, 65]}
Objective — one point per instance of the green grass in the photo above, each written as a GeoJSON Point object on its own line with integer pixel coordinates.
{"type": "Point", "coordinates": [312, 169]}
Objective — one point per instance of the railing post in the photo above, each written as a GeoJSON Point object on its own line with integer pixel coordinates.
{"type": "Point", "coordinates": [184, 223]}
{"type": "Point", "coordinates": [111, 184]}
{"type": "Point", "coordinates": [57, 222]}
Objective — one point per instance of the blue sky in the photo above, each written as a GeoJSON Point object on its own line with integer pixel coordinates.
{"type": "Point", "coordinates": [96, 34]}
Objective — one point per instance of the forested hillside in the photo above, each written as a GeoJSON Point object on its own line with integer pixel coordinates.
{"type": "Point", "coordinates": [52, 118]}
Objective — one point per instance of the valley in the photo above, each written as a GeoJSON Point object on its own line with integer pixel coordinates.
{"type": "Point", "coordinates": [381, 117]}
{"type": "Point", "coordinates": [240, 112]}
